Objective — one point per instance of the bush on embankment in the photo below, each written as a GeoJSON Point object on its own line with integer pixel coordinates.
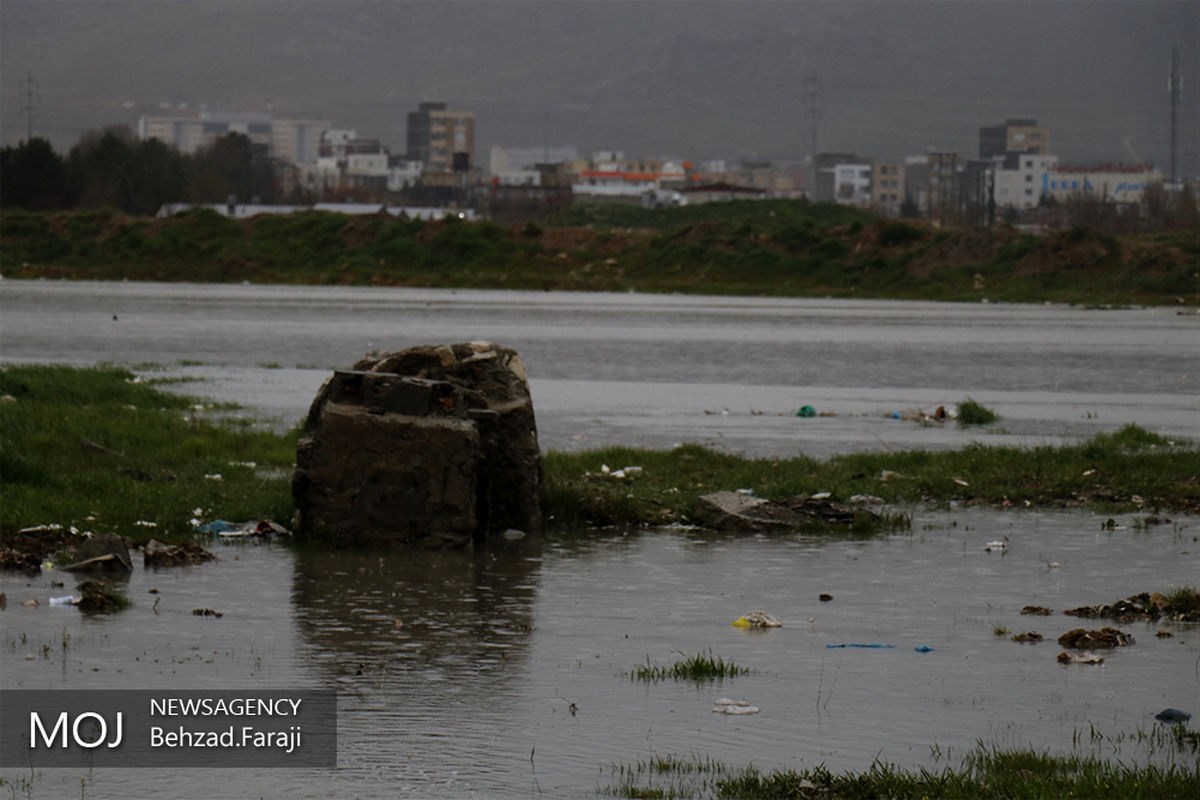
{"type": "Point", "coordinates": [771, 247]}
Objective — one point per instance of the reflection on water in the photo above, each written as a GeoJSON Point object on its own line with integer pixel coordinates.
{"type": "Point", "coordinates": [509, 674]}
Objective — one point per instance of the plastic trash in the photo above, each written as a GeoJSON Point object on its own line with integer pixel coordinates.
{"type": "Point", "coordinates": [806, 411]}
{"type": "Point", "coordinates": [872, 645]}
{"type": "Point", "coordinates": [923, 648]}
{"type": "Point", "coordinates": [756, 619]}
{"type": "Point", "coordinates": [727, 706]}
{"type": "Point", "coordinates": [65, 600]}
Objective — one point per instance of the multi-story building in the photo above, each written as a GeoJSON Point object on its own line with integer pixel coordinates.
{"type": "Point", "coordinates": [944, 191]}
{"type": "Point", "coordinates": [887, 187]}
{"type": "Point", "coordinates": [291, 140]}
{"type": "Point", "coordinates": [1014, 136]}
{"type": "Point", "coordinates": [443, 140]}
{"type": "Point", "coordinates": [1020, 187]}
{"type": "Point", "coordinates": [852, 184]}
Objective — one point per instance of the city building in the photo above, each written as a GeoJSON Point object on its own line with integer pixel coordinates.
{"type": "Point", "coordinates": [944, 191]}
{"type": "Point", "coordinates": [292, 140]}
{"type": "Point", "coordinates": [1020, 188]}
{"type": "Point", "coordinates": [887, 187]}
{"type": "Point", "coordinates": [852, 184]}
{"type": "Point", "coordinates": [1014, 136]}
{"type": "Point", "coordinates": [443, 140]}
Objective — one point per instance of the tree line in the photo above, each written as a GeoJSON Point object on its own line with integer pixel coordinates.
{"type": "Point", "coordinates": [112, 168]}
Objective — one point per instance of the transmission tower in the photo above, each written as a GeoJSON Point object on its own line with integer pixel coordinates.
{"type": "Point", "coordinates": [28, 104]}
{"type": "Point", "coordinates": [812, 89]}
{"type": "Point", "coordinates": [1173, 86]}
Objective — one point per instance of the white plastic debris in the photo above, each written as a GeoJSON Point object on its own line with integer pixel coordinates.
{"type": "Point", "coordinates": [727, 706]}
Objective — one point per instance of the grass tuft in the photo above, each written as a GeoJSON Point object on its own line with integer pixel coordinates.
{"type": "Point", "coordinates": [700, 668]}
{"type": "Point", "coordinates": [972, 413]}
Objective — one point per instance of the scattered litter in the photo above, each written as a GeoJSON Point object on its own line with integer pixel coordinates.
{"type": "Point", "coordinates": [756, 619]}
{"type": "Point", "coordinates": [995, 544]}
{"type": "Point", "coordinates": [235, 530]}
{"type": "Point", "coordinates": [618, 474]}
{"type": "Point", "coordinates": [206, 612]}
{"type": "Point", "coordinates": [512, 534]}
{"type": "Point", "coordinates": [1171, 715]}
{"type": "Point", "coordinates": [50, 528]}
{"type": "Point", "coordinates": [1163, 634]}
{"type": "Point", "coordinates": [247, 464]}
{"type": "Point", "coordinates": [728, 706]}
{"type": "Point", "coordinates": [866, 500]}
{"type": "Point", "coordinates": [65, 600]}
{"type": "Point", "coordinates": [1082, 658]}
{"type": "Point", "coordinates": [30, 603]}
{"type": "Point", "coordinates": [960, 482]}
{"type": "Point", "coordinates": [1087, 473]}
{"type": "Point", "coordinates": [886, 475]}
{"type": "Point", "coordinates": [142, 523]}
{"type": "Point", "coordinates": [746, 492]}
{"type": "Point", "coordinates": [1037, 611]}
{"type": "Point", "coordinates": [806, 411]}
{"type": "Point", "coordinates": [216, 476]}
{"type": "Point", "coordinates": [821, 496]}
{"type": "Point", "coordinates": [824, 598]}
{"type": "Point", "coordinates": [1031, 636]}
{"type": "Point", "coordinates": [923, 648]}
{"type": "Point", "coordinates": [870, 645]}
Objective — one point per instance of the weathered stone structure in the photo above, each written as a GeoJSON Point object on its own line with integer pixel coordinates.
{"type": "Point", "coordinates": [434, 445]}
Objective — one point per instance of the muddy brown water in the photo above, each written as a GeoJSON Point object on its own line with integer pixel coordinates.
{"type": "Point", "coordinates": [471, 695]}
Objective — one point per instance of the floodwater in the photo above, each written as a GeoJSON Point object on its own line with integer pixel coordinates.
{"type": "Point", "coordinates": [508, 675]}
{"type": "Point", "coordinates": [655, 370]}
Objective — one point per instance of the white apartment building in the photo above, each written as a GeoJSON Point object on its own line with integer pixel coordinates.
{"type": "Point", "coordinates": [852, 184]}
{"type": "Point", "coordinates": [1022, 188]}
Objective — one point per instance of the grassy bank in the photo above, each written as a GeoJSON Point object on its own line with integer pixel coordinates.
{"type": "Point", "coordinates": [99, 449]}
{"type": "Point", "coordinates": [770, 248]}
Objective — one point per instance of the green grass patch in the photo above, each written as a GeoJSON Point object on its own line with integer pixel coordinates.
{"type": "Point", "coordinates": [985, 773]}
{"type": "Point", "coordinates": [1121, 471]}
{"type": "Point", "coordinates": [971, 412]}
{"type": "Point", "coordinates": [701, 668]}
{"type": "Point", "coordinates": [99, 450]}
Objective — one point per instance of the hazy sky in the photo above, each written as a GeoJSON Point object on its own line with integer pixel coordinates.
{"type": "Point", "coordinates": [700, 80]}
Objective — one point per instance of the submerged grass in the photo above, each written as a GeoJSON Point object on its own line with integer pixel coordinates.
{"type": "Point", "coordinates": [97, 449]}
{"type": "Point", "coordinates": [985, 773]}
{"type": "Point", "coordinates": [971, 412]}
{"type": "Point", "coordinates": [700, 668]}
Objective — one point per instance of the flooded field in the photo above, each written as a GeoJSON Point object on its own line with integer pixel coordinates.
{"type": "Point", "coordinates": [655, 370]}
{"type": "Point", "coordinates": [509, 674]}
{"type": "Point", "coordinates": [506, 672]}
